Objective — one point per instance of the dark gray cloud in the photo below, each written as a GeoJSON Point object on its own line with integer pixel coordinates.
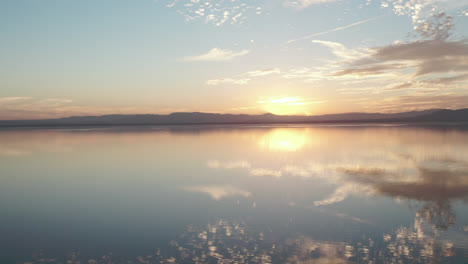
{"type": "Point", "coordinates": [420, 101]}
{"type": "Point", "coordinates": [438, 26]}
{"type": "Point", "coordinates": [433, 53]}
{"type": "Point", "coordinates": [374, 69]}
{"type": "Point", "coordinates": [421, 50]}
{"type": "Point", "coordinates": [435, 83]}
{"type": "Point", "coordinates": [423, 57]}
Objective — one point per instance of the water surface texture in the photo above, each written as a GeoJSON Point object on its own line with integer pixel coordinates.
{"type": "Point", "coordinates": [234, 194]}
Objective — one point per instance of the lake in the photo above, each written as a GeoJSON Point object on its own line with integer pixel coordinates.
{"type": "Point", "coordinates": [234, 194]}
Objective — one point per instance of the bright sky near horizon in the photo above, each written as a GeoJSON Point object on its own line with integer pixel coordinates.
{"type": "Point", "coordinates": [92, 57]}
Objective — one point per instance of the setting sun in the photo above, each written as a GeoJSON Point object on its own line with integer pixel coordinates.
{"type": "Point", "coordinates": [290, 105]}
{"type": "Point", "coordinates": [234, 131]}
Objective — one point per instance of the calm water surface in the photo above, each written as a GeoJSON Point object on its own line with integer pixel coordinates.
{"type": "Point", "coordinates": [234, 194]}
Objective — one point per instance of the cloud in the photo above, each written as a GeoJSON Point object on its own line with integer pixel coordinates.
{"type": "Point", "coordinates": [6, 100]}
{"type": "Point", "coordinates": [432, 83]}
{"type": "Point", "coordinates": [421, 50]}
{"type": "Point", "coordinates": [340, 50]}
{"type": "Point", "coordinates": [419, 101]}
{"type": "Point", "coordinates": [265, 172]}
{"type": "Point", "coordinates": [425, 57]}
{"type": "Point", "coordinates": [437, 26]}
{"type": "Point", "coordinates": [245, 77]}
{"type": "Point", "coordinates": [227, 81]}
{"type": "Point", "coordinates": [300, 4]}
{"type": "Point", "coordinates": [432, 63]}
{"type": "Point", "coordinates": [30, 107]}
{"type": "Point", "coordinates": [434, 53]}
{"type": "Point", "coordinates": [420, 10]}
{"type": "Point", "coordinates": [217, 13]}
{"type": "Point", "coordinates": [332, 30]}
{"type": "Point", "coordinates": [264, 72]}
{"type": "Point", "coordinates": [443, 65]}
{"type": "Point", "coordinates": [216, 54]}
{"type": "Point", "coordinates": [370, 70]}
{"type": "Point", "coordinates": [305, 73]}
{"type": "Point", "coordinates": [428, 63]}
{"type": "Point", "coordinates": [21, 108]}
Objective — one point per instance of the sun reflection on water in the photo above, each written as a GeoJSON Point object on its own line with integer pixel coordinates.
{"type": "Point", "coordinates": [286, 139]}
{"type": "Point", "coordinates": [311, 179]}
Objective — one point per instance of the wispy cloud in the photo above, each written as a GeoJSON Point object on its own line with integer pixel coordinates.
{"type": "Point", "coordinates": [216, 54]}
{"type": "Point", "coordinates": [435, 83]}
{"type": "Point", "coordinates": [300, 4]}
{"type": "Point", "coordinates": [431, 63]}
{"type": "Point", "coordinates": [420, 101]}
{"type": "Point", "coordinates": [425, 57]}
{"type": "Point", "coordinates": [340, 50]}
{"type": "Point", "coordinates": [264, 72]}
{"type": "Point", "coordinates": [30, 107]}
{"type": "Point", "coordinates": [422, 10]}
{"type": "Point", "coordinates": [245, 77]}
{"type": "Point", "coordinates": [5, 100]}
{"type": "Point", "coordinates": [39, 108]}
{"type": "Point", "coordinates": [332, 30]}
{"type": "Point", "coordinates": [266, 172]}
{"type": "Point", "coordinates": [217, 13]}
{"type": "Point", "coordinates": [227, 81]}
{"type": "Point", "coordinates": [307, 74]}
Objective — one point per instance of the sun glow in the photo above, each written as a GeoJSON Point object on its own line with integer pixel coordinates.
{"type": "Point", "coordinates": [288, 105]}
{"type": "Point", "coordinates": [285, 140]}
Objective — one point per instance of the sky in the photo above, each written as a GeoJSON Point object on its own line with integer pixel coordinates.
{"type": "Point", "coordinates": [63, 58]}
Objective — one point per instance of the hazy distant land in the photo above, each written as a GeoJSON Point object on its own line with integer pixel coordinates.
{"type": "Point", "coordinates": [432, 115]}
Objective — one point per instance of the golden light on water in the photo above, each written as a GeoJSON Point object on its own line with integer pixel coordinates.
{"type": "Point", "coordinates": [285, 139]}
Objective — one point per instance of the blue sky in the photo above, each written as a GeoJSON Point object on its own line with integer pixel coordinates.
{"type": "Point", "coordinates": [92, 57]}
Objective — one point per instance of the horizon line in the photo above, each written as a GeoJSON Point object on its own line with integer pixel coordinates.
{"type": "Point", "coordinates": [218, 113]}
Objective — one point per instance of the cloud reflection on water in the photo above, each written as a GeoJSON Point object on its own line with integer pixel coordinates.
{"type": "Point", "coordinates": [314, 178]}
{"type": "Point", "coordinates": [218, 192]}
{"type": "Point", "coordinates": [403, 167]}
{"type": "Point", "coordinates": [235, 242]}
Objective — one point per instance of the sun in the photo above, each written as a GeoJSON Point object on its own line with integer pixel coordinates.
{"type": "Point", "coordinates": [290, 105]}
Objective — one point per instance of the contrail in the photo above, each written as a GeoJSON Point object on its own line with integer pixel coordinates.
{"type": "Point", "coordinates": [332, 30]}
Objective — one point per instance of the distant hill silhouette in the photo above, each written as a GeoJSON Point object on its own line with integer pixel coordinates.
{"type": "Point", "coordinates": [433, 115]}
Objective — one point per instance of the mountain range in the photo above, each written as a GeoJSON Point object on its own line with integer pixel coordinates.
{"type": "Point", "coordinates": [432, 115]}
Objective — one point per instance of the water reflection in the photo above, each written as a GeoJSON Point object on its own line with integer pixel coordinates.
{"type": "Point", "coordinates": [436, 182]}
{"type": "Point", "coordinates": [233, 242]}
{"type": "Point", "coordinates": [227, 241]}
{"type": "Point", "coordinates": [218, 192]}
{"type": "Point", "coordinates": [254, 194]}
{"type": "Point", "coordinates": [286, 140]}
{"type": "Point", "coordinates": [427, 173]}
